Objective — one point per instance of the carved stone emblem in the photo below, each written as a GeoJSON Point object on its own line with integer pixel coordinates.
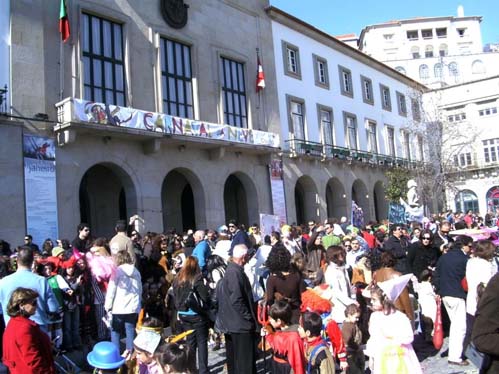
{"type": "Point", "coordinates": [174, 12]}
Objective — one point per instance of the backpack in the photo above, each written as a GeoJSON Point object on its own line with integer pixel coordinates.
{"type": "Point", "coordinates": [316, 366]}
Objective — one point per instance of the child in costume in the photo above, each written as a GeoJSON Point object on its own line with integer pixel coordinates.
{"type": "Point", "coordinates": [389, 346]}
{"type": "Point", "coordinates": [286, 342]}
{"type": "Point", "coordinates": [352, 336]}
{"type": "Point", "coordinates": [319, 358]}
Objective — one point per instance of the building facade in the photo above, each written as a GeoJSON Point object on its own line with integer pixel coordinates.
{"type": "Point", "coordinates": [471, 155]}
{"type": "Point", "coordinates": [345, 119]}
{"type": "Point", "coordinates": [437, 51]}
{"type": "Point", "coordinates": [153, 109]}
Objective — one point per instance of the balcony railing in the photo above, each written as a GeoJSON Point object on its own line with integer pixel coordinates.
{"type": "Point", "coordinates": [302, 148]}
{"type": "Point", "coordinates": [87, 116]}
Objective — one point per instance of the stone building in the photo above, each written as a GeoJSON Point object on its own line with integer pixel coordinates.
{"type": "Point", "coordinates": [127, 67]}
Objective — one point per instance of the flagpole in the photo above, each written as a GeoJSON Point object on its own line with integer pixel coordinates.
{"type": "Point", "coordinates": [258, 91]}
{"type": "Point", "coordinates": [61, 69]}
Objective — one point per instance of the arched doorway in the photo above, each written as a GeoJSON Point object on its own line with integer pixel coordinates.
{"type": "Point", "coordinates": [106, 195]}
{"type": "Point", "coordinates": [466, 200]}
{"type": "Point", "coordinates": [380, 203]}
{"type": "Point", "coordinates": [493, 199]}
{"type": "Point", "coordinates": [361, 197]}
{"type": "Point", "coordinates": [336, 199]}
{"type": "Point", "coordinates": [241, 199]}
{"type": "Point", "coordinates": [182, 201]}
{"type": "Point", "coordinates": [306, 200]}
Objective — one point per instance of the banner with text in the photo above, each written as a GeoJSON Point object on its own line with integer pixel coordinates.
{"type": "Point", "coordinates": [269, 223]}
{"type": "Point", "coordinates": [91, 112]}
{"type": "Point", "coordinates": [40, 188]}
{"type": "Point", "coordinates": [277, 190]}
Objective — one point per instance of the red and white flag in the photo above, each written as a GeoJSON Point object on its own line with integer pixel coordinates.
{"type": "Point", "coordinates": [260, 76]}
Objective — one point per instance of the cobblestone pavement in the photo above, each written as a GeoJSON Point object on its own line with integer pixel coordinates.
{"type": "Point", "coordinates": [432, 364]}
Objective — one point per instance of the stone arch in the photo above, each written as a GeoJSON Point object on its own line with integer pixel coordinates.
{"type": "Point", "coordinates": [306, 200]}
{"type": "Point", "coordinates": [183, 201]}
{"type": "Point", "coordinates": [361, 197]}
{"type": "Point", "coordinates": [336, 201]}
{"type": "Point", "coordinates": [241, 199]}
{"type": "Point", "coordinates": [106, 194]}
{"type": "Point", "coordinates": [380, 203]}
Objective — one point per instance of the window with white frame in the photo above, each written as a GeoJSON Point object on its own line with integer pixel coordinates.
{"type": "Point", "coordinates": [367, 90]}
{"type": "Point", "coordinates": [345, 81]}
{"type": "Point", "coordinates": [176, 78]}
{"type": "Point", "coordinates": [441, 32]}
{"type": "Point", "coordinates": [412, 34]}
{"type": "Point", "coordinates": [490, 150]}
{"type": "Point", "coordinates": [485, 112]}
{"type": "Point", "coordinates": [386, 101]}
{"type": "Point", "coordinates": [233, 93]}
{"type": "Point", "coordinates": [372, 137]}
{"type": "Point", "coordinates": [103, 61]}
{"type": "Point", "coordinates": [442, 50]}
{"type": "Point", "coordinates": [437, 70]}
{"type": "Point", "coordinates": [402, 106]}
{"type": "Point", "coordinates": [424, 71]}
{"type": "Point", "coordinates": [390, 140]}
{"type": "Point", "coordinates": [456, 117]}
{"type": "Point", "coordinates": [291, 60]}
{"type": "Point", "coordinates": [415, 52]}
{"type": "Point", "coordinates": [453, 69]}
{"type": "Point", "coordinates": [350, 129]}
{"type": "Point", "coordinates": [463, 159]}
{"type": "Point", "coordinates": [326, 124]}
{"type": "Point", "coordinates": [427, 34]}
{"type": "Point", "coordinates": [296, 110]}
{"type": "Point", "coordinates": [428, 52]}
{"type": "Point", "coordinates": [321, 71]}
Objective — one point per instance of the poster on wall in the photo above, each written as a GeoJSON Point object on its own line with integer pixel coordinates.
{"type": "Point", "coordinates": [269, 223]}
{"type": "Point", "coordinates": [40, 188]}
{"type": "Point", "coordinates": [277, 188]}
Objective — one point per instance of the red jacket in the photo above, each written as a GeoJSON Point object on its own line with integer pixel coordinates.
{"type": "Point", "coordinates": [26, 348]}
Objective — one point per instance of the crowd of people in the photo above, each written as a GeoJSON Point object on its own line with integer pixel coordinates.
{"type": "Point", "coordinates": [316, 298]}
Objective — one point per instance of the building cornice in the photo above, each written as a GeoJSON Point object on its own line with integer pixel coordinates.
{"type": "Point", "coordinates": [320, 36]}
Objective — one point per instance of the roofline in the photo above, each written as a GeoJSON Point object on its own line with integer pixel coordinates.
{"type": "Point", "coordinates": [416, 20]}
{"type": "Point", "coordinates": [287, 19]}
{"type": "Point", "coordinates": [464, 84]}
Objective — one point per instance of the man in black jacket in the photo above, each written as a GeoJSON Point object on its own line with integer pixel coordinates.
{"type": "Point", "coordinates": [397, 244]}
{"type": "Point", "coordinates": [236, 316]}
{"type": "Point", "coordinates": [451, 269]}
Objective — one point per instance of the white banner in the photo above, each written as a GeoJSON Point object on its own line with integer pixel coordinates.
{"type": "Point", "coordinates": [269, 223]}
{"type": "Point", "coordinates": [40, 188]}
{"type": "Point", "coordinates": [91, 112]}
{"type": "Point", "coordinates": [277, 190]}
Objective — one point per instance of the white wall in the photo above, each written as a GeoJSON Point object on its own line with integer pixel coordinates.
{"type": "Point", "coordinates": [4, 43]}
{"type": "Point", "coordinates": [306, 89]}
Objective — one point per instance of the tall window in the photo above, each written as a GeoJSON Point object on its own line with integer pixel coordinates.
{"type": "Point", "coordinates": [346, 81]}
{"type": "Point", "coordinates": [326, 124]}
{"type": "Point", "coordinates": [424, 71]}
{"type": "Point", "coordinates": [402, 106]}
{"type": "Point", "coordinates": [176, 79]}
{"type": "Point", "coordinates": [416, 111]}
{"type": "Point", "coordinates": [234, 93]}
{"type": "Point", "coordinates": [321, 71]}
{"type": "Point", "coordinates": [407, 144]}
{"type": "Point", "coordinates": [291, 60]}
{"type": "Point", "coordinates": [367, 90]}
{"type": "Point", "coordinates": [372, 140]}
{"type": "Point", "coordinates": [386, 101]}
{"type": "Point", "coordinates": [350, 130]}
{"type": "Point", "coordinates": [438, 70]}
{"type": "Point", "coordinates": [490, 150]}
{"type": "Point", "coordinates": [453, 69]}
{"type": "Point", "coordinates": [297, 119]}
{"type": "Point", "coordinates": [103, 64]}
{"type": "Point", "coordinates": [420, 147]}
{"type": "Point", "coordinates": [390, 137]}
{"type": "Point", "coordinates": [428, 52]}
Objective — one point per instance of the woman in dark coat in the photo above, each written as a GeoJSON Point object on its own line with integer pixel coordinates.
{"type": "Point", "coordinates": [284, 284]}
{"type": "Point", "coordinates": [26, 348]}
{"type": "Point", "coordinates": [422, 254]}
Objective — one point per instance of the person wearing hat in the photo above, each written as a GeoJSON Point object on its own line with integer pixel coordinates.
{"type": "Point", "coordinates": [57, 259]}
{"type": "Point", "coordinates": [106, 358]}
{"type": "Point", "coordinates": [145, 345]}
{"type": "Point", "coordinates": [390, 344]}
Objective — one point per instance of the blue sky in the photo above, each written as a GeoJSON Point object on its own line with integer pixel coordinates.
{"type": "Point", "coordinates": [344, 17]}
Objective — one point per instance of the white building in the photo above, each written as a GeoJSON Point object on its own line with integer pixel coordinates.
{"type": "Point", "coordinates": [436, 51]}
{"type": "Point", "coordinates": [470, 110]}
{"type": "Point", "coordinates": [344, 117]}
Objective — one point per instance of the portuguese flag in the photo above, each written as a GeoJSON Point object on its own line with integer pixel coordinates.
{"type": "Point", "coordinates": [64, 22]}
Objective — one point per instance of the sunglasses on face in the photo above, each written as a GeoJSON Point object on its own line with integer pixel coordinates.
{"type": "Point", "coordinates": [426, 238]}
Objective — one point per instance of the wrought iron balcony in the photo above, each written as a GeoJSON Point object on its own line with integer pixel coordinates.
{"type": "Point", "coordinates": [304, 148]}
{"type": "Point", "coordinates": [81, 116]}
